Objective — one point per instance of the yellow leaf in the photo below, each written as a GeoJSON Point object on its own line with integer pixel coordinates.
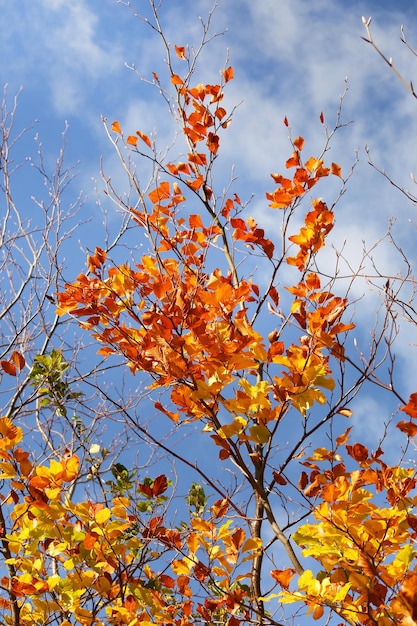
{"type": "Point", "coordinates": [53, 581]}
{"type": "Point", "coordinates": [253, 543]}
{"type": "Point", "coordinates": [202, 525]}
{"type": "Point", "coordinates": [68, 564]}
{"type": "Point", "coordinates": [308, 583]}
{"type": "Point", "coordinates": [181, 566]}
{"type": "Point", "coordinates": [7, 470]}
{"type": "Point", "coordinates": [260, 433]}
{"type": "Point", "coordinates": [229, 430]}
{"type": "Point", "coordinates": [102, 516]}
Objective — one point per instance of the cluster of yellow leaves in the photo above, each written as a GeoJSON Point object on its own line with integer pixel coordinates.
{"type": "Point", "coordinates": [365, 547]}
{"type": "Point", "coordinates": [90, 559]}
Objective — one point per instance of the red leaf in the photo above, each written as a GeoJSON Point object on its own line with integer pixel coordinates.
{"type": "Point", "coordinates": [303, 481]}
{"type": "Point", "coordinates": [357, 452]}
{"type": "Point", "coordinates": [160, 484]}
{"type": "Point", "coordinates": [279, 479]}
{"type": "Point", "coordinates": [274, 295]}
{"type": "Point", "coordinates": [130, 603]}
{"type": "Point", "coordinates": [408, 428]}
{"type": "Point", "coordinates": [219, 508]}
{"type": "Point", "coordinates": [201, 571]}
{"type": "Point", "coordinates": [8, 367]}
{"type": "Point", "coordinates": [167, 581]}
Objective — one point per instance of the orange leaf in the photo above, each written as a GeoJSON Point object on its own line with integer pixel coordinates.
{"type": "Point", "coordinates": [336, 170]}
{"type": "Point", "coordinates": [299, 143]}
{"type": "Point", "coordinates": [180, 51]}
{"type": "Point", "coordinates": [283, 576]}
{"type": "Point", "coordinates": [18, 359]}
{"type": "Point", "coordinates": [160, 193]}
{"type": "Point", "coordinates": [411, 407]}
{"type": "Point", "coordinates": [90, 540]}
{"type": "Point", "coordinates": [228, 74]}
{"type": "Point", "coordinates": [341, 439]}
{"type": "Point", "coordinates": [195, 221]}
{"type": "Point", "coordinates": [408, 593]}
{"type": "Point", "coordinates": [116, 127]}
{"type": "Point", "coordinates": [132, 140]}
{"type": "Point", "coordinates": [144, 138]}
{"type": "Point", "coordinates": [199, 158]}
{"type": "Point", "coordinates": [220, 113]}
{"type": "Point", "coordinates": [196, 183]}
{"type": "Point", "coordinates": [176, 80]}
{"type": "Point", "coordinates": [293, 161]}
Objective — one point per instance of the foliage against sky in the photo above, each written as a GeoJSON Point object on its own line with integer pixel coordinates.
{"type": "Point", "coordinates": [197, 336]}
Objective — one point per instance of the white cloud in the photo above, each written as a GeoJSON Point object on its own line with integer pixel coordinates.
{"type": "Point", "coordinates": [59, 48]}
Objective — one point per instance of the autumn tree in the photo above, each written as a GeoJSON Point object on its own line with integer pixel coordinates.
{"type": "Point", "coordinates": [273, 508]}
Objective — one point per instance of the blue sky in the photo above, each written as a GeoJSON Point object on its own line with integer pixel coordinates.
{"type": "Point", "coordinates": [291, 58]}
